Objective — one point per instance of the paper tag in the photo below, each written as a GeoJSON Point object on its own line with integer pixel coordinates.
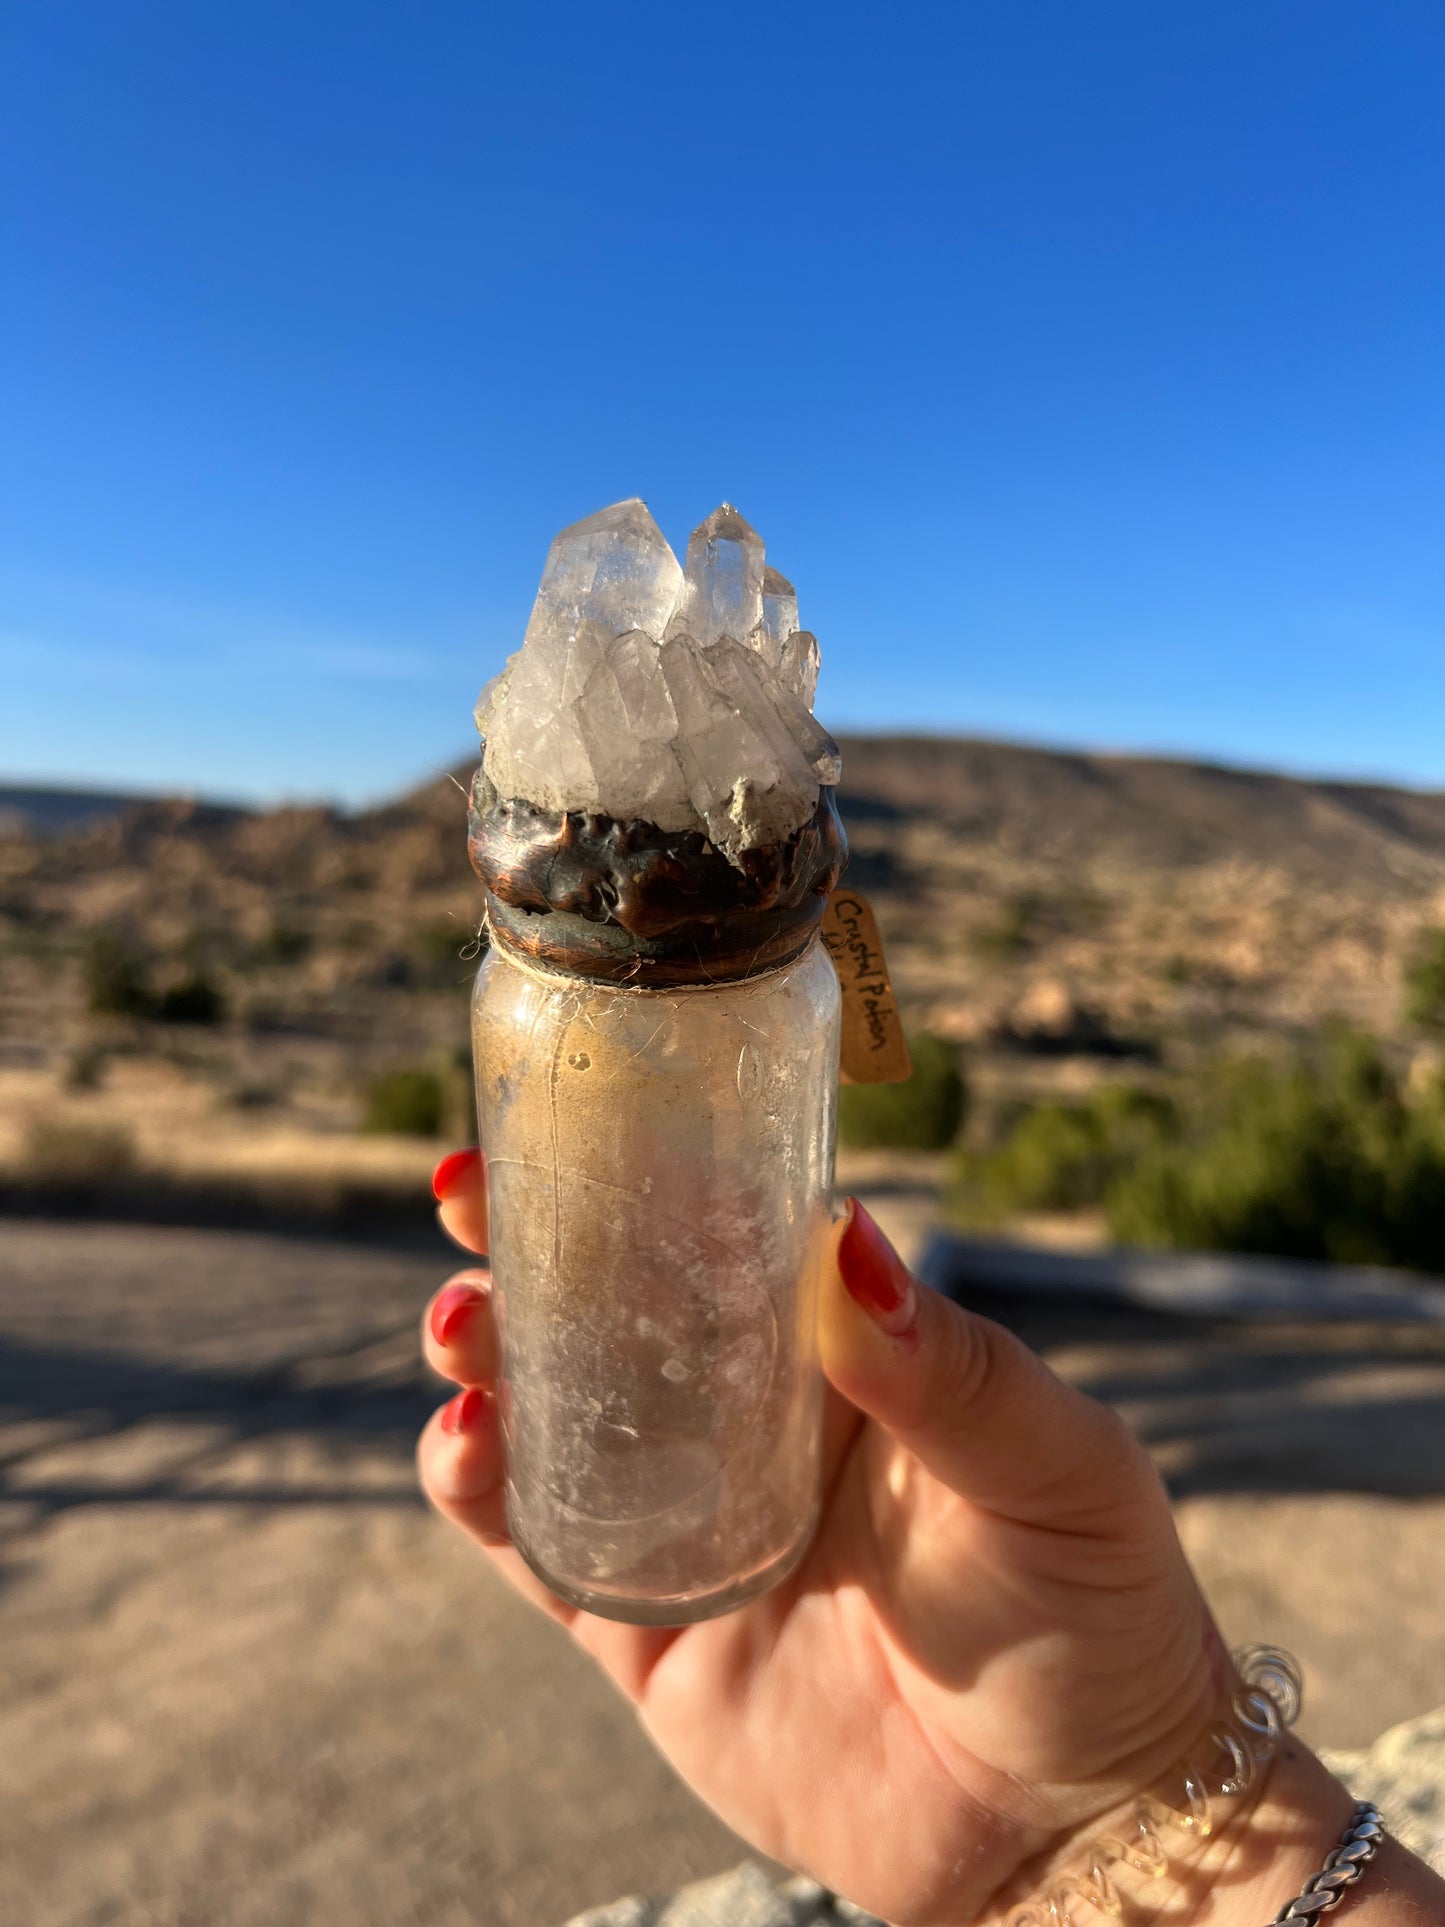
{"type": "Point", "coordinates": [874, 1048]}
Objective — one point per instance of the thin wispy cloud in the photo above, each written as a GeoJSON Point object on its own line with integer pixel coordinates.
{"type": "Point", "coordinates": [199, 644]}
{"type": "Point", "coordinates": [22, 653]}
{"type": "Point", "coordinates": [370, 662]}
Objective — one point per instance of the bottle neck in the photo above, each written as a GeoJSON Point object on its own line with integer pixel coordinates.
{"type": "Point", "coordinates": [629, 903]}
{"type": "Point", "coordinates": [564, 944]}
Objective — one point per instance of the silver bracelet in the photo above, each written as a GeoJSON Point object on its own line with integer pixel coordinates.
{"type": "Point", "coordinates": [1359, 1844]}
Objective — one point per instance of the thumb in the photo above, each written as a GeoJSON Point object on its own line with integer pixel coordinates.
{"type": "Point", "coordinates": [970, 1401]}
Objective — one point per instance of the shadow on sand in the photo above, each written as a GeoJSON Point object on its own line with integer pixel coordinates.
{"type": "Point", "coordinates": [1227, 1408]}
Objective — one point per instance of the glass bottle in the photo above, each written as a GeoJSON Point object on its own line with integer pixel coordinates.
{"type": "Point", "coordinates": [660, 1162]}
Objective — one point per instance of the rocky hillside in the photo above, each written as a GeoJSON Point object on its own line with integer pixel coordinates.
{"type": "Point", "coordinates": [1043, 804]}
{"type": "Point", "coordinates": [1035, 902]}
{"type": "Point", "coordinates": [1047, 898]}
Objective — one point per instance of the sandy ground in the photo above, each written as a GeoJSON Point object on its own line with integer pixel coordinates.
{"type": "Point", "coordinates": [250, 1682]}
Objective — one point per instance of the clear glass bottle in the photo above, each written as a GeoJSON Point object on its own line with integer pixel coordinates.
{"type": "Point", "coordinates": [661, 1167]}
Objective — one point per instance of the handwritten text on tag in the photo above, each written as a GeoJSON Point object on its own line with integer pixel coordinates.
{"type": "Point", "coordinates": [874, 1050]}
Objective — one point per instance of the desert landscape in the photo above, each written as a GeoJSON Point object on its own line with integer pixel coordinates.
{"type": "Point", "coordinates": [214, 995]}
{"type": "Point", "coordinates": [251, 1680]}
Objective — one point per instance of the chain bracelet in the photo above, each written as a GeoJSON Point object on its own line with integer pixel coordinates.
{"type": "Point", "coordinates": [1358, 1846]}
{"type": "Point", "coordinates": [1268, 1703]}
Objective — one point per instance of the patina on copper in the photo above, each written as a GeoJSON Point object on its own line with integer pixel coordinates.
{"type": "Point", "coordinates": [631, 903]}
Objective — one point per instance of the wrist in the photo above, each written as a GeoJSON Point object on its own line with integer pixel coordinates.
{"type": "Point", "coordinates": [1280, 1845]}
{"type": "Point", "coordinates": [1261, 1853]}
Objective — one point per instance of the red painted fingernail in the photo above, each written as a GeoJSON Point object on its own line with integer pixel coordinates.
{"type": "Point", "coordinates": [875, 1275]}
{"type": "Point", "coordinates": [451, 1310]}
{"type": "Point", "coordinates": [461, 1414]}
{"type": "Point", "coordinates": [456, 1170]}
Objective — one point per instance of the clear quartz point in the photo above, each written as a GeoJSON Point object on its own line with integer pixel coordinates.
{"type": "Point", "coordinates": [724, 593]}
{"type": "Point", "coordinates": [535, 745]}
{"type": "Point", "coordinates": [747, 780]}
{"type": "Point", "coordinates": [798, 665]}
{"type": "Point", "coordinates": [629, 726]}
{"type": "Point", "coordinates": [613, 568]}
{"type": "Point", "coordinates": [482, 714]}
{"type": "Point", "coordinates": [780, 606]}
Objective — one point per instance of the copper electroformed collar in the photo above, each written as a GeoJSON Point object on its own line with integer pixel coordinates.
{"type": "Point", "coordinates": [631, 903]}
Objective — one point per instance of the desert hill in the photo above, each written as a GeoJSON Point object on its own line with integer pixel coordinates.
{"type": "Point", "coordinates": [1032, 900]}
{"type": "Point", "coordinates": [49, 811]}
{"type": "Point", "coordinates": [1037, 802]}
{"type": "Point", "coordinates": [1150, 810]}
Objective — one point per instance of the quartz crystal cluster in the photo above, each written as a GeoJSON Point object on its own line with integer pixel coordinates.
{"type": "Point", "coordinates": [681, 695]}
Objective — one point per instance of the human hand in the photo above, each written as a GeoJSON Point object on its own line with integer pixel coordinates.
{"type": "Point", "coordinates": [994, 1636]}
{"type": "Point", "coordinates": [993, 1640]}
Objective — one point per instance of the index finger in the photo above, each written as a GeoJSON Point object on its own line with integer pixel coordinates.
{"type": "Point", "coordinates": [459, 1185]}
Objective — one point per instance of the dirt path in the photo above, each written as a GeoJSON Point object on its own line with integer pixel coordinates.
{"type": "Point", "coordinates": [249, 1682]}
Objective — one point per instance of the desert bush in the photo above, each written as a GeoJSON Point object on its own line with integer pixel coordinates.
{"type": "Point", "coordinates": [283, 945]}
{"type": "Point", "coordinates": [459, 1087]}
{"type": "Point", "coordinates": [1006, 939]}
{"type": "Point", "coordinates": [195, 1000]}
{"type": "Point", "coordinates": [1060, 1157]}
{"type": "Point", "coordinates": [394, 973]}
{"type": "Point", "coordinates": [1321, 1156]}
{"type": "Point", "coordinates": [69, 1151]}
{"type": "Point", "coordinates": [407, 1103]}
{"type": "Point", "coordinates": [1425, 984]}
{"type": "Point", "coordinates": [446, 952]}
{"type": "Point", "coordinates": [86, 1068]}
{"type": "Point", "coordinates": [442, 942]}
{"type": "Point", "coordinates": [252, 1095]}
{"type": "Point", "coordinates": [922, 1114]}
{"type": "Point", "coordinates": [117, 976]}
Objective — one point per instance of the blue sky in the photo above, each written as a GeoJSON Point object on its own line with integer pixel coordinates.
{"type": "Point", "coordinates": [1080, 363]}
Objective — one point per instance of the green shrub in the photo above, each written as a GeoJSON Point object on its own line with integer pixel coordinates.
{"type": "Point", "coordinates": [406, 1103]}
{"type": "Point", "coordinates": [117, 976]}
{"type": "Point", "coordinates": [922, 1114]}
{"type": "Point", "coordinates": [459, 1087]}
{"type": "Point", "coordinates": [445, 953]}
{"type": "Point", "coordinates": [195, 1000]}
{"type": "Point", "coordinates": [86, 1068]}
{"type": "Point", "coordinates": [283, 945]}
{"type": "Point", "coordinates": [1013, 933]}
{"type": "Point", "coordinates": [252, 1096]}
{"type": "Point", "coordinates": [1318, 1157]}
{"type": "Point", "coordinates": [442, 942]}
{"type": "Point", "coordinates": [1060, 1157]}
{"type": "Point", "coordinates": [1425, 984]}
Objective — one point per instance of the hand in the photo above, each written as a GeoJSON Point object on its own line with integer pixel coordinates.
{"type": "Point", "coordinates": [994, 1637]}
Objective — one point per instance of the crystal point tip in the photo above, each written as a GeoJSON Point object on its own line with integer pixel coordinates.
{"type": "Point", "coordinates": [725, 524]}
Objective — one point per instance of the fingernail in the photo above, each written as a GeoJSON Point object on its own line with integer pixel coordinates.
{"type": "Point", "coordinates": [875, 1275]}
{"type": "Point", "coordinates": [452, 1309]}
{"type": "Point", "coordinates": [460, 1415]}
{"type": "Point", "coordinates": [456, 1170]}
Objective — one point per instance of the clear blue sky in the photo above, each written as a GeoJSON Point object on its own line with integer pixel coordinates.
{"type": "Point", "coordinates": [1084, 364]}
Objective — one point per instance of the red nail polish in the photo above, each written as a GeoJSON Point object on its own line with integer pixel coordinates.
{"type": "Point", "coordinates": [875, 1275]}
{"type": "Point", "coordinates": [456, 1170]}
{"type": "Point", "coordinates": [460, 1415]}
{"type": "Point", "coordinates": [452, 1309]}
